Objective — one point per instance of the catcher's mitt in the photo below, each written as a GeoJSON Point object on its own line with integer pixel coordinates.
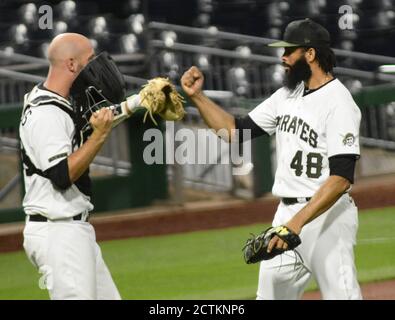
{"type": "Point", "coordinates": [159, 96]}
{"type": "Point", "coordinates": [255, 249]}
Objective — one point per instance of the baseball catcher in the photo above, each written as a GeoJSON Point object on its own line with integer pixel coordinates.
{"type": "Point", "coordinates": [258, 247]}
{"type": "Point", "coordinates": [64, 123]}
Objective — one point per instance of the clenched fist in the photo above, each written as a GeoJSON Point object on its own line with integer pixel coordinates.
{"type": "Point", "coordinates": [101, 121]}
{"type": "Point", "coordinates": [192, 81]}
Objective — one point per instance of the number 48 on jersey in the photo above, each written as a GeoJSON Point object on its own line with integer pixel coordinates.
{"type": "Point", "coordinates": [313, 164]}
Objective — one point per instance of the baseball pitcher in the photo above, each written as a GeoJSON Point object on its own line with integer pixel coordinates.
{"type": "Point", "coordinates": [316, 123]}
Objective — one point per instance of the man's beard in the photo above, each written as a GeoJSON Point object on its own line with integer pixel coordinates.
{"type": "Point", "coordinates": [300, 71]}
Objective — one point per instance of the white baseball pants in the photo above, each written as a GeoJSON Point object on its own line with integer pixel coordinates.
{"type": "Point", "coordinates": [67, 255]}
{"type": "Point", "coordinates": [326, 254]}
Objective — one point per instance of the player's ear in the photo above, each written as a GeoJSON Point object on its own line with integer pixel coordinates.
{"type": "Point", "coordinates": [310, 54]}
{"type": "Point", "coordinates": [72, 65]}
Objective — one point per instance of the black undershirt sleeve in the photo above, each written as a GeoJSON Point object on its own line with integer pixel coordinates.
{"type": "Point", "coordinates": [247, 123]}
{"type": "Point", "coordinates": [59, 175]}
{"type": "Point", "coordinates": [343, 165]}
{"type": "Point", "coordinates": [84, 183]}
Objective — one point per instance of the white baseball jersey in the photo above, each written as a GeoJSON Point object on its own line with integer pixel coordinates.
{"type": "Point", "coordinates": [46, 134]}
{"type": "Point", "coordinates": [309, 130]}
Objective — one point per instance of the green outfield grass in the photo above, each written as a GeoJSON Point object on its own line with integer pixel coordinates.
{"type": "Point", "coordinates": [200, 265]}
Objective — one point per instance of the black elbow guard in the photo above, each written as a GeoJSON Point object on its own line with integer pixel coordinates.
{"type": "Point", "coordinates": [59, 175]}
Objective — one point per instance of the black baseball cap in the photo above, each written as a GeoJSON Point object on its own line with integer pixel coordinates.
{"type": "Point", "coordinates": [304, 33]}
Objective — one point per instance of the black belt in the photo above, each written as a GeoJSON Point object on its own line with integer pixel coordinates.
{"type": "Point", "coordinates": [40, 218]}
{"type": "Point", "coordinates": [289, 201]}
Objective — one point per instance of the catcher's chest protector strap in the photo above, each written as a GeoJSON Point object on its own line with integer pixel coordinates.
{"type": "Point", "coordinates": [30, 168]}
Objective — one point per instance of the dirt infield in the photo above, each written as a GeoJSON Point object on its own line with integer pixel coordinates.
{"type": "Point", "coordinates": [163, 220]}
{"type": "Point", "coordinates": [384, 290]}
{"type": "Point", "coordinates": [375, 192]}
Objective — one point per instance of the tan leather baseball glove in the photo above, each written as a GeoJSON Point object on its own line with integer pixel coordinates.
{"type": "Point", "coordinates": [160, 96]}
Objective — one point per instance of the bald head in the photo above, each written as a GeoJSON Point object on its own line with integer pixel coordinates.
{"type": "Point", "coordinates": [70, 46]}
{"type": "Point", "coordinates": [68, 54]}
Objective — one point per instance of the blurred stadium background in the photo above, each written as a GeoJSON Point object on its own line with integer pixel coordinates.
{"type": "Point", "coordinates": [226, 39]}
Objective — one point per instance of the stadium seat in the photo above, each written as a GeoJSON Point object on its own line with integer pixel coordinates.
{"type": "Point", "coordinates": [129, 43]}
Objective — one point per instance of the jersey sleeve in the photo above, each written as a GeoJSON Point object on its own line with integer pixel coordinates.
{"type": "Point", "coordinates": [342, 130]}
{"type": "Point", "coordinates": [50, 136]}
{"type": "Point", "coordinates": [264, 115]}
